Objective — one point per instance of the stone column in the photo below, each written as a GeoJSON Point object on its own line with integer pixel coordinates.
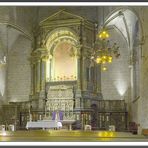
{"type": "Point", "coordinates": [78, 90]}
{"type": "Point", "coordinates": [34, 83]}
{"type": "Point", "coordinates": [83, 50]}
{"type": "Point", "coordinates": [32, 79]}
{"type": "Point", "coordinates": [50, 60]}
{"type": "Point", "coordinates": [95, 85]}
{"type": "Point", "coordinates": [43, 73]}
{"type": "Point", "coordinates": [38, 75]}
{"type": "Point", "coordinates": [35, 77]}
{"type": "Point", "coordinates": [79, 74]}
{"type": "Point", "coordinates": [42, 96]}
{"type": "Point", "coordinates": [84, 81]}
{"type": "Point", "coordinates": [83, 64]}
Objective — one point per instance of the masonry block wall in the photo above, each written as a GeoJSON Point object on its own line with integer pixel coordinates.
{"type": "Point", "coordinates": [19, 75]}
{"type": "Point", "coordinates": [16, 24]}
{"type": "Point", "coordinates": [115, 82]}
{"type": "Point", "coordinates": [142, 102]}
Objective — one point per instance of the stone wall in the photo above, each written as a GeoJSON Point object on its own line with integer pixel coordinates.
{"type": "Point", "coordinates": [23, 17]}
{"type": "Point", "coordinates": [115, 82]}
{"type": "Point", "coordinates": [15, 22]}
{"type": "Point", "coordinates": [140, 106]}
{"type": "Point", "coordinates": [44, 12]}
{"type": "Point", "coordinates": [19, 75]}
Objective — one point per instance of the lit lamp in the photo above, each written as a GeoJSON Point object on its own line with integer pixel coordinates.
{"type": "Point", "coordinates": [104, 68]}
{"type": "Point", "coordinates": [103, 34]}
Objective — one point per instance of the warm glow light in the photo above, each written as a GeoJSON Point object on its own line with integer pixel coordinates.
{"type": "Point", "coordinates": [104, 52]}
{"type": "Point", "coordinates": [103, 34]}
{"type": "Point", "coordinates": [110, 57]}
{"type": "Point", "coordinates": [98, 60]}
{"type": "Point", "coordinates": [100, 36]}
{"type": "Point", "coordinates": [104, 57]}
{"type": "Point", "coordinates": [104, 68]}
{"type": "Point", "coordinates": [4, 133]}
{"type": "Point", "coordinates": [109, 61]}
{"type": "Point", "coordinates": [106, 134]}
{"type": "Point", "coordinates": [111, 134]}
{"type": "Point", "coordinates": [2, 80]}
{"type": "Point", "coordinates": [103, 62]}
{"type": "Point", "coordinates": [121, 85]}
{"type": "Point", "coordinates": [100, 134]}
{"type": "Point", "coordinates": [107, 35]}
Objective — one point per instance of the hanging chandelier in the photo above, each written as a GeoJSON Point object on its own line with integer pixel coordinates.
{"type": "Point", "coordinates": [104, 52]}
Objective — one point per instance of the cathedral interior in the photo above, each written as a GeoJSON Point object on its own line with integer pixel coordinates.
{"type": "Point", "coordinates": [49, 63]}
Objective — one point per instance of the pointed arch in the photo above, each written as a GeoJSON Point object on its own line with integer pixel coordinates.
{"type": "Point", "coordinates": [126, 19]}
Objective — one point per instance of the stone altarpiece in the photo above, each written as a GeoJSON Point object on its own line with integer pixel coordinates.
{"type": "Point", "coordinates": [71, 89]}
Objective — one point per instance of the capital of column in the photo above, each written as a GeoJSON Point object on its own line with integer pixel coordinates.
{"type": "Point", "coordinates": [78, 54]}
{"type": "Point", "coordinates": [34, 60]}
{"type": "Point", "coordinates": [40, 53]}
{"type": "Point", "coordinates": [44, 58]}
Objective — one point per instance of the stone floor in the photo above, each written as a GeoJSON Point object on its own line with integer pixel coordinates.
{"type": "Point", "coordinates": [69, 136]}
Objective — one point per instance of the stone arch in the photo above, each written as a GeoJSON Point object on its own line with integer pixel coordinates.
{"type": "Point", "coordinates": [135, 13]}
{"type": "Point", "coordinates": [118, 12]}
{"type": "Point", "coordinates": [134, 35]}
{"type": "Point", "coordinates": [65, 39]}
{"type": "Point", "coordinates": [128, 24]}
{"type": "Point", "coordinates": [66, 31]}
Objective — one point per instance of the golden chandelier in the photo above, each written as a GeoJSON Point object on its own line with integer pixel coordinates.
{"type": "Point", "coordinates": [103, 51]}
